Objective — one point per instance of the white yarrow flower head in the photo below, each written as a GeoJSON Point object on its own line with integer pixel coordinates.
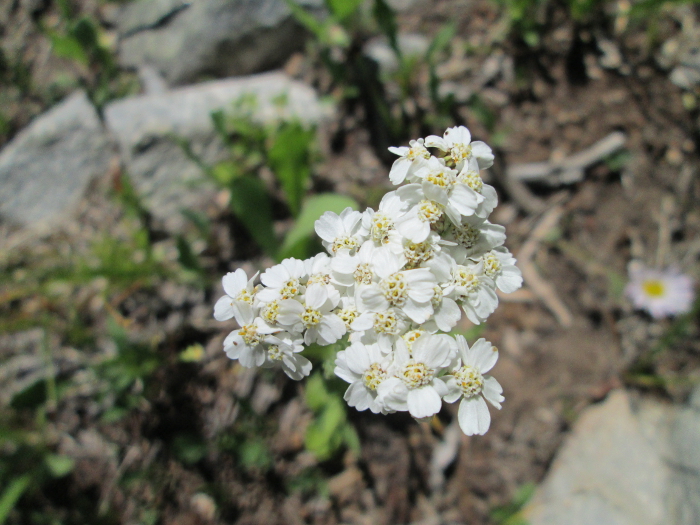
{"type": "Point", "coordinates": [340, 232]}
{"type": "Point", "coordinates": [414, 384]}
{"type": "Point", "coordinates": [469, 383]}
{"type": "Point", "coordinates": [457, 143]}
{"type": "Point", "coordinates": [365, 368]}
{"type": "Point", "coordinates": [247, 343]}
{"type": "Point", "coordinates": [409, 159]}
{"type": "Point", "coordinates": [391, 286]}
{"type": "Point", "coordinates": [662, 293]}
{"type": "Point", "coordinates": [314, 316]}
{"type": "Point", "coordinates": [238, 289]}
{"type": "Point", "coordinates": [283, 349]}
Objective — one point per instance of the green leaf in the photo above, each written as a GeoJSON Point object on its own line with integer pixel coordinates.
{"type": "Point", "coordinates": [68, 47]}
{"type": "Point", "coordinates": [186, 256]}
{"type": "Point", "coordinates": [441, 40]}
{"type": "Point", "coordinates": [313, 208]}
{"type": "Point", "coordinates": [316, 393]}
{"type": "Point", "coordinates": [289, 157]}
{"type": "Point", "coordinates": [189, 448]}
{"type": "Point", "coordinates": [386, 19]}
{"type": "Point", "coordinates": [59, 465]}
{"type": "Point", "coordinates": [324, 435]}
{"type": "Point", "coordinates": [305, 18]}
{"type": "Point", "coordinates": [12, 493]}
{"type": "Point", "coordinates": [251, 204]}
{"type": "Point", "coordinates": [85, 32]}
{"type": "Point", "coordinates": [342, 9]}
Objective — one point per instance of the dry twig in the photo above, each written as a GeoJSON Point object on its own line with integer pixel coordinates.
{"type": "Point", "coordinates": [541, 288]}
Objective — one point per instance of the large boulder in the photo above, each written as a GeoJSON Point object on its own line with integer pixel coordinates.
{"type": "Point", "coordinates": [46, 168]}
{"type": "Point", "coordinates": [186, 41]}
{"type": "Point", "coordinates": [628, 461]}
{"type": "Point", "coordinates": [148, 129]}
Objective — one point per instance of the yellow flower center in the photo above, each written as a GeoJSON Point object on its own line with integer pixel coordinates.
{"type": "Point", "coordinates": [470, 380]}
{"type": "Point", "coordinates": [386, 323]}
{"type": "Point", "coordinates": [654, 288]}
{"type": "Point", "coordinates": [381, 226]}
{"type": "Point", "coordinates": [290, 289]}
{"type": "Point", "coordinates": [270, 312]}
{"type": "Point", "coordinates": [363, 274]}
{"type": "Point", "coordinates": [249, 334]}
{"type": "Point", "coordinates": [274, 353]}
{"type": "Point", "coordinates": [373, 376]}
{"type": "Point", "coordinates": [310, 317]}
{"type": "Point", "coordinates": [395, 289]}
{"type": "Point", "coordinates": [429, 211]}
{"type": "Point", "coordinates": [415, 375]}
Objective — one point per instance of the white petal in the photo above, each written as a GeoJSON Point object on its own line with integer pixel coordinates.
{"type": "Point", "coordinates": [331, 328]}
{"type": "Point", "coordinates": [417, 312]}
{"type": "Point", "coordinates": [328, 226]}
{"type": "Point", "coordinates": [357, 396]}
{"type": "Point", "coordinates": [252, 357]}
{"type": "Point", "coordinates": [433, 141]}
{"type": "Point", "coordinates": [357, 358]}
{"type": "Point", "coordinates": [399, 169]}
{"type": "Point", "coordinates": [234, 282]}
{"type": "Point", "coordinates": [223, 309]}
{"type": "Point", "coordinates": [458, 135]}
{"type": "Point", "coordinates": [473, 416]}
{"type": "Point", "coordinates": [448, 315]}
{"type": "Point", "coordinates": [485, 355]}
{"type": "Point", "coordinates": [372, 299]}
{"type": "Point", "coordinates": [493, 391]}
{"type": "Point", "coordinates": [483, 154]}
{"type": "Point", "coordinates": [423, 402]}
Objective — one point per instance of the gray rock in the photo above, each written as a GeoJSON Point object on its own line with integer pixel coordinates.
{"type": "Point", "coordinates": [412, 45]}
{"type": "Point", "coordinates": [145, 127]}
{"type": "Point", "coordinates": [46, 168]}
{"type": "Point", "coordinates": [626, 462]}
{"type": "Point", "coordinates": [186, 40]}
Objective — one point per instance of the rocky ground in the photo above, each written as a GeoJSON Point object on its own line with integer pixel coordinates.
{"type": "Point", "coordinates": [117, 400]}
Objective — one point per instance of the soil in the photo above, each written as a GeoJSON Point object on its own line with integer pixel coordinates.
{"type": "Point", "coordinates": [546, 103]}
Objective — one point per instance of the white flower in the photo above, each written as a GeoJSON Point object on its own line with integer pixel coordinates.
{"type": "Point", "coordinates": [349, 270]}
{"type": "Point", "coordinates": [318, 268]}
{"type": "Point", "coordinates": [322, 326]}
{"type": "Point", "coordinates": [238, 288]}
{"type": "Point", "coordinates": [499, 265]}
{"type": "Point", "coordinates": [442, 185]}
{"type": "Point", "coordinates": [662, 293]}
{"type": "Point", "coordinates": [410, 159]}
{"type": "Point", "coordinates": [246, 343]}
{"type": "Point", "coordinates": [340, 231]}
{"type": "Point", "coordinates": [469, 383]}
{"type": "Point", "coordinates": [284, 348]}
{"type": "Point", "coordinates": [283, 280]}
{"type": "Point", "coordinates": [408, 290]}
{"type": "Point", "coordinates": [379, 326]}
{"type": "Point", "coordinates": [457, 142]}
{"type": "Point", "coordinates": [365, 368]}
{"type": "Point", "coordinates": [446, 313]}
{"type": "Point", "coordinates": [469, 175]}
{"type": "Point", "coordinates": [380, 224]}
{"type": "Point", "coordinates": [474, 237]}
{"type": "Point", "coordinates": [471, 287]}
{"type": "Point", "coordinates": [414, 385]}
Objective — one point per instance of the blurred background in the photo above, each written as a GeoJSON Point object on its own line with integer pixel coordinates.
{"type": "Point", "coordinates": [150, 146]}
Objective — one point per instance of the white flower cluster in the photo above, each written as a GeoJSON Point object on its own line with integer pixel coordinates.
{"type": "Point", "coordinates": [393, 279]}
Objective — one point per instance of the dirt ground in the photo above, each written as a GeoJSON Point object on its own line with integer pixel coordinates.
{"type": "Point", "coordinates": [566, 339]}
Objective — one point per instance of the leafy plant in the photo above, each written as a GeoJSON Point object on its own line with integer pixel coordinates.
{"type": "Point", "coordinates": [286, 148]}
{"type": "Point", "coordinates": [330, 430]}
{"type": "Point", "coordinates": [510, 514]}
